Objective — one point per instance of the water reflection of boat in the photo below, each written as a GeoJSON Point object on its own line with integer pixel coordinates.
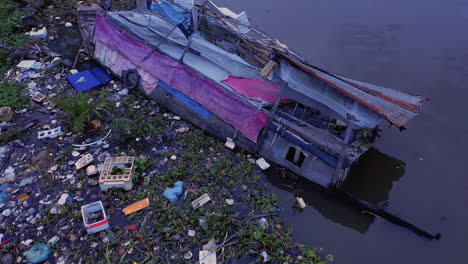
{"type": "Point", "coordinates": [210, 66]}
{"type": "Point", "coordinates": [371, 179]}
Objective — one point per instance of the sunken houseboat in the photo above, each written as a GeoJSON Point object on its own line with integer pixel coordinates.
{"type": "Point", "coordinates": [208, 65]}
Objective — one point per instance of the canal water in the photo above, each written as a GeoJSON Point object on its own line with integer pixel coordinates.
{"type": "Point", "coordinates": [420, 174]}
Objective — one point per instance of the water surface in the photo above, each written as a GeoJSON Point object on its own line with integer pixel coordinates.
{"type": "Point", "coordinates": [420, 47]}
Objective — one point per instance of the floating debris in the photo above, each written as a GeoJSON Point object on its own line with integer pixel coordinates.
{"type": "Point", "coordinates": [173, 194]}
{"type": "Point", "coordinates": [94, 217]}
{"type": "Point", "coordinates": [200, 201]}
{"type": "Point", "coordinates": [136, 206]}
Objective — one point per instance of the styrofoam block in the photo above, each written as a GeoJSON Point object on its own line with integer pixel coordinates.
{"type": "Point", "coordinates": [51, 133]}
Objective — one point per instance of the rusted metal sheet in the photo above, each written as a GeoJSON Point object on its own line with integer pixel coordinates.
{"type": "Point", "coordinates": [396, 107]}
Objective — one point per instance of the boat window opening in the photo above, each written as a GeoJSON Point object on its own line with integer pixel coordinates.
{"type": "Point", "coordinates": [306, 114]}
{"type": "Point", "coordinates": [294, 157]}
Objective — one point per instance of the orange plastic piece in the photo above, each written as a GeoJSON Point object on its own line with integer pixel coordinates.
{"type": "Point", "coordinates": [23, 197]}
{"type": "Point", "coordinates": [136, 206]}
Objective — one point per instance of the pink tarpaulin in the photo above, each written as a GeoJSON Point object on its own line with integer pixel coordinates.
{"type": "Point", "coordinates": [254, 89]}
{"type": "Point", "coordinates": [158, 66]}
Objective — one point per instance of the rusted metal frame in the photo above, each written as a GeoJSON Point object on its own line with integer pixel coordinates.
{"type": "Point", "coordinates": [270, 115]}
{"type": "Point", "coordinates": [306, 124]}
{"type": "Point", "coordinates": [343, 153]}
{"type": "Point", "coordinates": [252, 58]}
{"type": "Point", "coordinates": [317, 105]}
{"type": "Point", "coordinates": [375, 108]}
{"type": "Point", "coordinates": [334, 148]}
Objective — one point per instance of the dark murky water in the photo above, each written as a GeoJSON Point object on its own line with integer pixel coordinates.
{"type": "Point", "coordinates": [414, 46]}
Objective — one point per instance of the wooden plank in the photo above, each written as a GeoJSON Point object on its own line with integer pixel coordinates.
{"type": "Point", "coordinates": [268, 68]}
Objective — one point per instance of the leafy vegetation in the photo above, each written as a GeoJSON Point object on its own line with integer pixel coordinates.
{"type": "Point", "coordinates": [10, 95]}
{"type": "Point", "coordinates": [82, 109]}
{"type": "Point", "coordinates": [133, 124]}
{"type": "Point", "coordinates": [10, 31]}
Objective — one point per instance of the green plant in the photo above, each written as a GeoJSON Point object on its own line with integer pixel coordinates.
{"type": "Point", "coordinates": [10, 95]}
{"type": "Point", "coordinates": [82, 108]}
{"type": "Point", "coordinates": [140, 165]}
{"type": "Point", "coordinates": [10, 33]}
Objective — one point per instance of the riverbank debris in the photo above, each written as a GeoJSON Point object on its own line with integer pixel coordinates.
{"type": "Point", "coordinates": [200, 201]}
{"type": "Point", "coordinates": [230, 144]}
{"type": "Point", "coordinates": [117, 173]}
{"type": "Point", "coordinates": [23, 197]}
{"type": "Point", "coordinates": [6, 114]}
{"type": "Point", "coordinates": [91, 170]}
{"type": "Point", "coordinates": [173, 194]}
{"type": "Point", "coordinates": [38, 33]}
{"type": "Point", "coordinates": [84, 161]}
{"type": "Point", "coordinates": [300, 202]}
{"type": "Point", "coordinates": [50, 133]}
{"type": "Point", "coordinates": [136, 206]}
{"type": "Point", "coordinates": [207, 257]}
{"type": "Point", "coordinates": [94, 217]}
{"type": "Point", "coordinates": [38, 253]}
{"type": "Point", "coordinates": [262, 164]}
{"type": "Point", "coordinates": [38, 97]}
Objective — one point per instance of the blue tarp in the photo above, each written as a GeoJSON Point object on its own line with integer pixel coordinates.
{"type": "Point", "coordinates": [180, 16]}
{"type": "Point", "coordinates": [89, 79]}
{"type": "Point", "coordinates": [200, 110]}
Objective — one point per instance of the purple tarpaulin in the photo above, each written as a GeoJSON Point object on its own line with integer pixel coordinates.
{"type": "Point", "coordinates": [255, 89]}
{"type": "Point", "coordinates": [119, 51]}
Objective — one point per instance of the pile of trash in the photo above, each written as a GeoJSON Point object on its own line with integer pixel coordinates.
{"type": "Point", "coordinates": [139, 185]}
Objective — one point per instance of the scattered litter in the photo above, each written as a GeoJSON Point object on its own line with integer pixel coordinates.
{"type": "Point", "coordinates": [84, 161]}
{"type": "Point", "coordinates": [123, 92]}
{"type": "Point", "coordinates": [51, 133]}
{"type": "Point", "coordinates": [136, 206]}
{"type": "Point", "coordinates": [207, 257]}
{"type": "Point", "coordinates": [75, 153]}
{"type": "Point", "coordinates": [211, 245]}
{"type": "Point", "coordinates": [300, 202]}
{"type": "Point", "coordinates": [230, 202]}
{"type": "Point", "coordinates": [91, 170]}
{"type": "Point", "coordinates": [173, 157]}
{"type": "Point", "coordinates": [6, 212]}
{"type": "Point", "coordinates": [230, 143]}
{"type": "Point", "coordinates": [263, 222]}
{"type": "Point", "coordinates": [74, 71]}
{"type": "Point", "coordinates": [38, 33]}
{"type": "Point", "coordinates": [63, 199]}
{"type": "Point", "coordinates": [188, 255]}
{"type": "Point", "coordinates": [265, 256]}
{"type": "Point", "coordinates": [57, 209]}
{"type": "Point", "coordinates": [68, 24]}
{"type": "Point", "coordinates": [200, 201]}
{"type": "Point", "coordinates": [94, 217]}
{"type": "Point", "coordinates": [96, 142]}
{"type": "Point", "coordinates": [38, 97]}
{"type": "Point", "coordinates": [53, 240]}
{"type": "Point", "coordinates": [29, 64]}
{"type": "Point", "coordinates": [191, 233]}
{"type": "Point", "coordinates": [23, 197]}
{"type": "Point", "coordinates": [38, 253]}
{"type": "Point", "coordinates": [173, 194]}
{"type": "Point", "coordinates": [117, 173]}
{"type": "Point", "coordinates": [89, 79]}
{"type": "Point", "coordinates": [176, 117]}
{"type": "Point", "coordinates": [263, 164]}
{"type": "Point", "coordinates": [6, 114]}
{"type": "Point", "coordinates": [182, 129]}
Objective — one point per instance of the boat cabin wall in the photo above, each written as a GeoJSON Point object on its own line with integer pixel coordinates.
{"type": "Point", "coordinates": [282, 151]}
